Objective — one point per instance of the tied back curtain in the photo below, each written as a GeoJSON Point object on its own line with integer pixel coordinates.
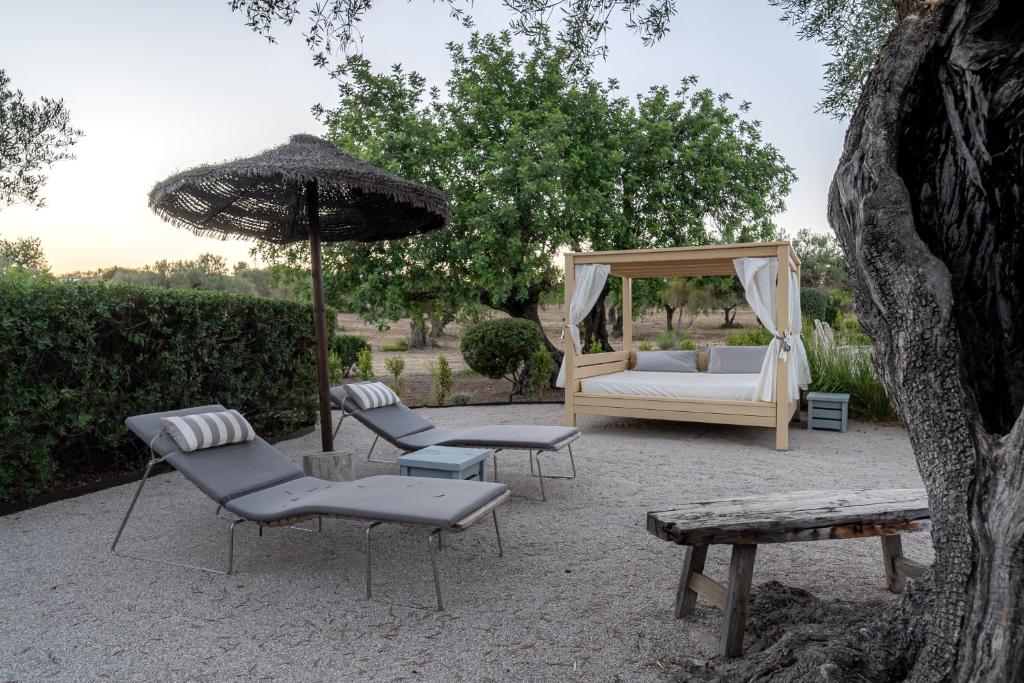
{"type": "Point", "coordinates": [758, 277]}
{"type": "Point", "coordinates": [590, 281]}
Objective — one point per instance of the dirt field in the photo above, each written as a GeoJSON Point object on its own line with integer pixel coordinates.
{"type": "Point", "coordinates": [706, 331]}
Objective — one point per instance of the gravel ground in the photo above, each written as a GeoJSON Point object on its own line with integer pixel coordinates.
{"type": "Point", "coordinates": [583, 592]}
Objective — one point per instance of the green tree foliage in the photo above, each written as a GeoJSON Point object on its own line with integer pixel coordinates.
{"type": "Point", "coordinates": [25, 253]}
{"type": "Point", "coordinates": [364, 364]}
{"type": "Point", "coordinates": [33, 137]}
{"type": "Point", "coordinates": [854, 30]}
{"type": "Point", "coordinates": [501, 349]}
{"type": "Point", "coordinates": [822, 262]}
{"type": "Point", "coordinates": [79, 357]}
{"type": "Point", "coordinates": [818, 305]}
{"type": "Point", "coordinates": [208, 272]}
{"type": "Point", "coordinates": [534, 162]}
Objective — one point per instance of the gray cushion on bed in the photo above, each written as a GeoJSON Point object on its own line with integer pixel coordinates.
{"type": "Point", "coordinates": [411, 500]}
{"type": "Point", "coordinates": [223, 472]}
{"type": "Point", "coordinates": [666, 361]}
{"type": "Point", "coordinates": [733, 360]}
{"type": "Point", "coordinates": [513, 437]}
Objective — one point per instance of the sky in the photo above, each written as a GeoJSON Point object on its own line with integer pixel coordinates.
{"type": "Point", "coordinates": [161, 85]}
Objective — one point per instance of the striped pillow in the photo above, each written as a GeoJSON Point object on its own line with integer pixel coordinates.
{"type": "Point", "coordinates": [370, 395]}
{"type": "Point", "coordinates": [206, 430]}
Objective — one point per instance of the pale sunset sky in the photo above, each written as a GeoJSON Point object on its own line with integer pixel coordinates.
{"type": "Point", "coordinates": [161, 85]}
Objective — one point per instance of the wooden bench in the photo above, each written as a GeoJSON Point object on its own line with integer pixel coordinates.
{"type": "Point", "coordinates": [744, 523]}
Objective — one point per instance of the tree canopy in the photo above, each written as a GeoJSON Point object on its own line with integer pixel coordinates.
{"type": "Point", "coordinates": [33, 137]}
{"type": "Point", "coordinates": [822, 262]}
{"type": "Point", "coordinates": [534, 162]}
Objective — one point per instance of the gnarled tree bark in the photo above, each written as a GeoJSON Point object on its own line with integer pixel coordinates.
{"type": "Point", "coordinates": [928, 203]}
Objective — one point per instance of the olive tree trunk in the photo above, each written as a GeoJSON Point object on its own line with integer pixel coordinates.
{"type": "Point", "coordinates": [928, 203]}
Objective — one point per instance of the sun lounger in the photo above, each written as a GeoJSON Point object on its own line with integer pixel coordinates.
{"type": "Point", "coordinates": [408, 431]}
{"type": "Point", "coordinates": [255, 482]}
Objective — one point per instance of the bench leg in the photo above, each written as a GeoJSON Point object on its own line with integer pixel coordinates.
{"type": "Point", "coordinates": [686, 597]}
{"type": "Point", "coordinates": [892, 550]}
{"type": "Point", "coordinates": [741, 571]}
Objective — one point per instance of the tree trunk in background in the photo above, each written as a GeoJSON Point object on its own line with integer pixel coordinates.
{"type": "Point", "coordinates": [928, 203]}
{"type": "Point", "coordinates": [417, 335]}
{"type": "Point", "coordinates": [595, 325]}
{"type": "Point", "coordinates": [669, 314]}
{"type": "Point", "coordinates": [437, 326]}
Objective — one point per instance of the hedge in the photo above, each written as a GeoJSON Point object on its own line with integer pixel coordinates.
{"type": "Point", "coordinates": [80, 357]}
{"type": "Point", "coordinates": [500, 348]}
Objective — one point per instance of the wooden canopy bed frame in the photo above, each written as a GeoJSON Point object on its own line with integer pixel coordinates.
{"type": "Point", "coordinates": [663, 263]}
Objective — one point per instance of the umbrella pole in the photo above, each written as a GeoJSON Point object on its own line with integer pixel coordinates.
{"type": "Point", "coordinates": [320, 319]}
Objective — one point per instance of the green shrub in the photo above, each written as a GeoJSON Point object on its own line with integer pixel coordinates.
{"type": "Point", "coordinates": [849, 372]}
{"type": "Point", "coordinates": [687, 343]}
{"type": "Point", "coordinates": [441, 371]}
{"type": "Point", "coordinates": [78, 358]}
{"type": "Point", "coordinates": [754, 336]}
{"type": "Point", "coordinates": [848, 331]}
{"type": "Point", "coordinates": [461, 399]}
{"type": "Point", "coordinates": [667, 339]}
{"type": "Point", "coordinates": [364, 365]}
{"type": "Point", "coordinates": [541, 366]}
{"type": "Point", "coordinates": [396, 366]}
{"type": "Point", "coordinates": [818, 305]}
{"type": "Point", "coordinates": [397, 345]}
{"type": "Point", "coordinates": [347, 348]}
{"type": "Point", "coordinates": [595, 347]}
{"type": "Point", "coordinates": [644, 346]}
{"type": "Point", "coordinates": [501, 348]}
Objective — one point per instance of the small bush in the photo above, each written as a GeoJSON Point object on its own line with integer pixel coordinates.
{"type": "Point", "coordinates": [364, 365]}
{"type": "Point", "coordinates": [396, 366]}
{"type": "Point", "coordinates": [818, 305]}
{"type": "Point", "coordinates": [595, 347]}
{"type": "Point", "coordinates": [461, 399]}
{"type": "Point", "coordinates": [645, 346]}
{"type": "Point", "coordinates": [347, 348]}
{"type": "Point", "coordinates": [441, 371]}
{"type": "Point", "coordinates": [755, 336]}
{"type": "Point", "coordinates": [667, 339]}
{"type": "Point", "coordinates": [687, 343]}
{"type": "Point", "coordinates": [501, 348]}
{"type": "Point", "coordinates": [541, 367]}
{"type": "Point", "coordinates": [849, 372]}
{"type": "Point", "coordinates": [401, 345]}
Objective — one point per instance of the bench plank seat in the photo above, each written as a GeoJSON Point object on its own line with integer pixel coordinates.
{"type": "Point", "coordinates": [794, 516]}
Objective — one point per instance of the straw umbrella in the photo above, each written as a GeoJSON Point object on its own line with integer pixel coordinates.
{"type": "Point", "coordinates": [307, 189]}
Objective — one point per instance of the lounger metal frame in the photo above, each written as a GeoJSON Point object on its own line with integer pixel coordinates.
{"type": "Point", "coordinates": [433, 538]}
{"type": "Point", "coordinates": [533, 454]}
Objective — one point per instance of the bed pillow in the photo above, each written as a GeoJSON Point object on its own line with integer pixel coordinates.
{"type": "Point", "coordinates": [666, 361]}
{"type": "Point", "coordinates": [370, 395]}
{"type": "Point", "coordinates": [207, 430]}
{"type": "Point", "coordinates": [736, 360]}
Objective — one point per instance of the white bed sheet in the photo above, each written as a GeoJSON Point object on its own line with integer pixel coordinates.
{"type": "Point", "coordinates": [674, 385]}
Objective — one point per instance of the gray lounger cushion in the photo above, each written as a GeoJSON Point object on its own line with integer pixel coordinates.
{"type": "Point", "coordinates": [666, 361]}
{"type": "Point", "coordinates": [513, 437]}
{"type": "Point", "coordinates": [425, 501]}
{"type": "Point", "coordinates": [224, 472]}
{"type": "Point", "coordinates": [730, 360]}
{"type": "Point", "coordinates": [389, 422]}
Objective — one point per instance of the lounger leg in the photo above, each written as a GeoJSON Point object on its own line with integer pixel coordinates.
{"type": "Point", "coordinates": [497, 532]}
{"type": "Point", "coordinates": [540, 475]}
{"type": "Point", "coordinates": [131, 506]}
{"type": "Point", "coordinates": [231, 545]}
{"type": "Point", "coordinates": [369, 588]}
{"type": "Point", "coordinates": [572, 464]}
{"type": "Point", "coordinates": [433, 541]}
{"type": "Point", "coordinates": [340, 422]}
{"type": "Point", "coordinates": [494, 461]}
{"type": "Point", "coordinates": [370, 452]}
{"type": "Point", "coordinates": [530, 455]}
{"type": "Point", "coordinates": [319, 524]}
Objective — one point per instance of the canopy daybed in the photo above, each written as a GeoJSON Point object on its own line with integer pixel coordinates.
{"type": "Point", "coordinates": [605, 383]}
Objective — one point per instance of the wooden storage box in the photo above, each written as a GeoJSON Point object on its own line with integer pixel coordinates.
{"type": "Point", "coordinates": [827, 411]}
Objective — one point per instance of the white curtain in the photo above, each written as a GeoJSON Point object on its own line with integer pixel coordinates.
{"type": "Point", "coordinates": [590, 281]}
{"type": "Point", "coordinates": [758, 277]}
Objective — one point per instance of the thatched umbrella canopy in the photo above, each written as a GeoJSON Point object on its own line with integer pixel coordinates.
{"type": "Point", "coordinates": [307, 189]}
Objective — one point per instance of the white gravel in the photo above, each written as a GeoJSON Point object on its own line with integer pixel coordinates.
{"type": "Point", "coordinates": [583, 592]}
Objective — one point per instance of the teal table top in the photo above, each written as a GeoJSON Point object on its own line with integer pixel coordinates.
{"type": "Point", "coordinates": [445, 458]}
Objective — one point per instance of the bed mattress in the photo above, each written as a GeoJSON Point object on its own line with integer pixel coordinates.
{"type": "Point", "coordinates": [674, 385]}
